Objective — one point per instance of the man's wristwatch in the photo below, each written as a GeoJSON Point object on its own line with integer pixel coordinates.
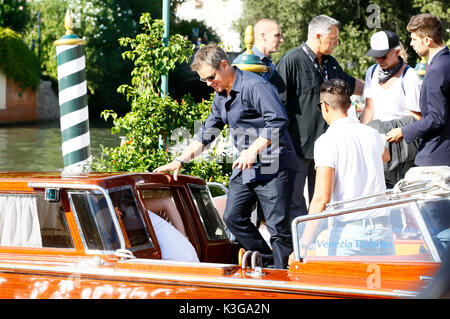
{"type": "Point", "coordinates": [181, 161]}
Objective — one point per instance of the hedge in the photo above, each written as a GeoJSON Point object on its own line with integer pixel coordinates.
{"type": "Point", "coordinates": [17, 61]}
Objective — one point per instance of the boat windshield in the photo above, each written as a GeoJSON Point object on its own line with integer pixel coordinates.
{"type": "Point", "coordinates": [209, 216]}
{"type": "Point", "coordinates": [436, 214]}
{"type": "Point", "coordinates": [408, 231]}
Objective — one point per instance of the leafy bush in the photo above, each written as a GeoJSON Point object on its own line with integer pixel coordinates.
{"type": "Point", "coordinates": [17, 61]}
{"type": "Point", "coordinates": [14, 14]}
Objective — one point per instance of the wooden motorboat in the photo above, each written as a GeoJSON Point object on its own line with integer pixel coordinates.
{"type": "Point", "coordinates": [60, 237]}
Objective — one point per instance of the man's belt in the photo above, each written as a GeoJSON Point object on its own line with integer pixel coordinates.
{"type": "Point", "coordinates": [380, 220]}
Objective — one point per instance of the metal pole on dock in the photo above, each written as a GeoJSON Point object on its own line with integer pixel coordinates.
{"type": "Point", "coordinates": [74, 112]}
{"type": "Point", "coordinates": [165, 40]}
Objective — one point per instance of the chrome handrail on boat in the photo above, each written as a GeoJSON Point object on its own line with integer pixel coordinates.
{"type": "Point", "coordinates": [337, 212]}
{"type": "Point", "coordinates": [221, 186]}
{"type": "Point", "coordinates": [395, 195]}
{"type": "Point", "coordinates": [88, 187]}
{"type": "Point", "coordinates": [403, 190]}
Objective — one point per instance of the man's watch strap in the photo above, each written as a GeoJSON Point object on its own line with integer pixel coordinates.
{"type": "Point", "coordinates": [181, 161]}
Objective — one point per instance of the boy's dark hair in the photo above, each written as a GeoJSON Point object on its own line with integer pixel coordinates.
{"type": "Point", "coordinates": [338, 90]}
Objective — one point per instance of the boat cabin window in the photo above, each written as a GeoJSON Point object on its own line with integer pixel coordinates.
{"type": "Point", "coordinates": [388, 233]}
{"type": "Point", "coordinates": [28, 220]}
{"type": "Point", "coordinates": [94, 218]}
{"type": "Point", "coordinates": [96, 221]}
{"type": "Point", "coordinates": [130, 219]}
{"type": "Point", "coordinates": [210, 218]}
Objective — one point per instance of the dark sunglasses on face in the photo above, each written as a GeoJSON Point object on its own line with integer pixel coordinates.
{"type": "Point", "coordinates": [211, 77]}
{"type": "Point", "coordinates": [331, 88]}
{"type": "Point", "coordinates": [319, 105]}
{"type": "Point", "coordinates": [384, 56]}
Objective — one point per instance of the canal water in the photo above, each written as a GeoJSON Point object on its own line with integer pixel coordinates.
{"type": "Point", "coordinates": [37, 147]}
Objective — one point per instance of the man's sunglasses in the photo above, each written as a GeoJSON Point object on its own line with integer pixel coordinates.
{"type": "Point", "coordinates": [327, 86]}
{"type": "Point", "coordinates": [319, 105]}
{"type": "Point", "coordinates": [211, 77]}
{"type": "Point", "coordinates": [331, 88]}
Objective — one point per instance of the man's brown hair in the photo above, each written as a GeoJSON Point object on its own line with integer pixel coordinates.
{"type": "Point", "coordinates": [210, 54]}
{"type": "Point", "coordinates": [426, 25]}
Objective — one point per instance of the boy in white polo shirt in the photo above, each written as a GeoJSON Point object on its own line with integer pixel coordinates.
{"type": "Point", "coordinates": [349, 151]}
{"type": "Point", "coordinates": [349, 163]}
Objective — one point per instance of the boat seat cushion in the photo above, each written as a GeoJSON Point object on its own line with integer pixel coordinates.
{"type": "Point", "coordinates": [166, 209]}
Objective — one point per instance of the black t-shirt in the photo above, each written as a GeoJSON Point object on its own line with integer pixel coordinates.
{"type": "Point", "coordinates": [298, 81]}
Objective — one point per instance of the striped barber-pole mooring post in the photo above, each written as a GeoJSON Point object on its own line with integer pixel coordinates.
{"type": "Point", "coordinates": [74, 114]}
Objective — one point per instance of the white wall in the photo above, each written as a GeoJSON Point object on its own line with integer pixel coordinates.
{"type": "Point", "coordinates": [217, 14]}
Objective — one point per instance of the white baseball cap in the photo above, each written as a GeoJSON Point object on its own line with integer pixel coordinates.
{"type": "Point", "coordinates": [381, 42]}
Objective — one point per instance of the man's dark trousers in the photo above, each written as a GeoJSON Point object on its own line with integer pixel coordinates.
{"type": "Point", "coordinates": [274, 196]}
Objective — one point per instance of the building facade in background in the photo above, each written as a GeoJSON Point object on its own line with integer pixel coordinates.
{"type": "Point", "coordinates": [217, 14]}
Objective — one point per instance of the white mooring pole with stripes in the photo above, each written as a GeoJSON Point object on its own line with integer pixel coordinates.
{"type": "Point", "coordinates": [74, 112]}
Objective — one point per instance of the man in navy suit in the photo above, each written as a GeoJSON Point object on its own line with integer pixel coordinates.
{"type": "Point", "coordinates": [433, 130]}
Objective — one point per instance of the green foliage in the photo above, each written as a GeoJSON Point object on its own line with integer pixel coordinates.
{"type": "Point", "coordinates": [52, 28]}
{"type": "Point", "coordinates": [356, 17]}
{"type": "Point", "coordinates": [151, 58]}
{"type": "Point", "coordinates": [100, 23]}
{"type": "Point", "coordinates": [351, 52]}
{"type": "Point", "coordinates": [14, 14]}
{"type": "Point", "coordinates": [17, 61]}
{"type": "Point", "coordinates": [439, 8]}
{"type": "Point", "coordinates": [149, 128]}
{"type": "Point", "coordinates": [211, 171]}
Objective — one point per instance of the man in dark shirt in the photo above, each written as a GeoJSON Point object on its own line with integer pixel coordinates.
{"type": "Point", "coordinates": [298, 77]}
{"type": "Point", "coordinates": [265, 168]}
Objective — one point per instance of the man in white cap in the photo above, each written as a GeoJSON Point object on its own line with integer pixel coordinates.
{"type": "Point", "coordinates": [392, 90]}
{"type": "Point", "coordinates": [391, 87]}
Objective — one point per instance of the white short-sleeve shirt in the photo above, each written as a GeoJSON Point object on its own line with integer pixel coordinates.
{"type": "Point", "coordinates": [354, 150]}
{"type": "Point", "coordinates": [395, 101]}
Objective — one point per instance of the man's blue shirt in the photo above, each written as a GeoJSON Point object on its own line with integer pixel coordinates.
{"type": "Point", "coordinates": [266, 61]}
{"type": "Point", "coordinates": [252, 109]}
